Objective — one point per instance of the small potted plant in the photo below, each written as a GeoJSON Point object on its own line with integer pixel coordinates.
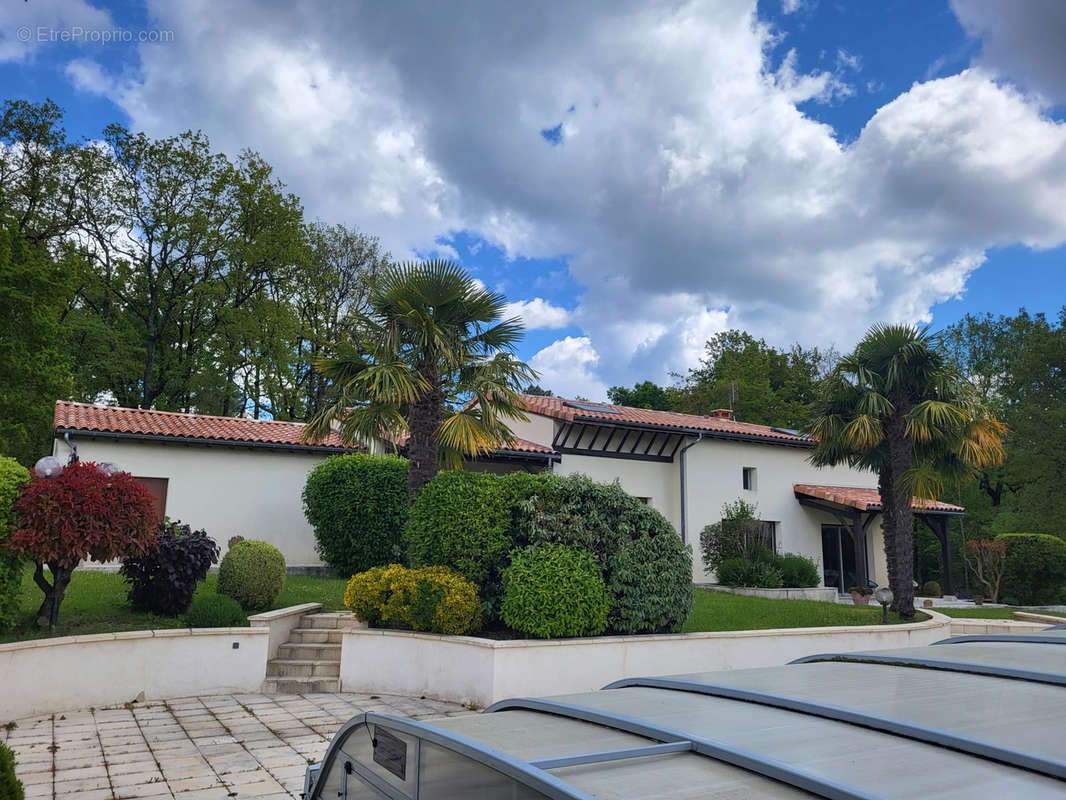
{"type": "Point", "coordinates": [860, 595]}
{"type": "Point", "coordinates": [978, 599]}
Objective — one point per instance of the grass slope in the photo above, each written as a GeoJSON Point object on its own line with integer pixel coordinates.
{"type": "Point", "coordinates": [984, 612]}
{"type": "Point", "coordinates": [721, 611]}
{"type": "Point", "coordinates": [95, 602]}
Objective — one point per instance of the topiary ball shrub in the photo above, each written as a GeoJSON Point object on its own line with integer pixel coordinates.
{"type": "Point", "coordinates": [435, 599]}
{"type": "Point", "coordinates": [216, 611]}
{"type": "Point", "coordinates": [604, 520]}
{"type": "Point", "coordinates": [931, 589]}
{"type": "Point", "coordinates": [552, 590]}
{"type": "Point", "coordinates": [13, 476]}
{"type": "Point", "coordinates": [733, 572]}
{"type": "Point", "coordinates": [252, 573]}
{"type": "Point", "coordinates": [357, 505]}
{"type": "Point", "coordinates": [164, 579]}
{"type": "Point", "coordinates": [10, 786]}
{"type": "Point", "coordinates": [797, 572]}
{"type": "Point", "coordinates": [1036, 568]}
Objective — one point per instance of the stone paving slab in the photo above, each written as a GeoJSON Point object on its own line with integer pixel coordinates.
{"type": "Point", "coordinates": [191, 748]}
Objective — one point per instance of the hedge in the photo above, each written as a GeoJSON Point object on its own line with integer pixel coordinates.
{"type": "Point", "coordinates": [10, 786]}
{"type": "Point", "coordinates": [552, 590]}
{"type": "Point", "coordinates": [216, 611]}
{"type": "Point", "coordinates": [435, 599]}
{"type": "Point", "coordinates": [13, 476]}
{"type": "Point", "coordinates": [463, 520]}
{"type": "Point", "coordinates": [1035, 573]}
{"type": "Point", "coordinates": [252, 573]}
{"type": "Point", "coordinates": [648, 571]}
{"type": "Point", "coordinates": [357, 505]}
{"type": "Point", "coordinates": [797, 572]}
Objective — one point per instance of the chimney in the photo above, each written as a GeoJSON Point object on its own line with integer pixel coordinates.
{"type": "Point", "coordinates": [722, 413]}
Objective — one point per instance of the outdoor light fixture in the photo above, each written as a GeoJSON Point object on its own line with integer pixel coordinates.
{"type": "Point", "coordinates": [48, 467]}
{"type": "Point", "coordinates": [883, 595]}
{"type": "Point", "coordinates": [109, 468]}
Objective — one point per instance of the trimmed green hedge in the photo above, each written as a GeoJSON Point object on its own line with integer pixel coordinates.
{"type": "Point", "coordinates": [621, 532]}
{"type": "Point", "coordinates": [13, 476]}
{"type": "Point", "coordinates": [252, 573]}
{"type": "Point", "coordinates": [357, 505]}
{"type": "Point", "coordinates": [216, 611]}
{"type": "Point", "coordinates": [552, 590]}
{"type": "Point", "coordinates": [463, 520]}
{"type": "Point", "coordinates": [797, 572]}
{"type": "Point", "coordinates": [1036, 568]}
{"type": "Point", "coordinates": [436, 599]}
{"type": "Point", "coordinates": [10, 786]}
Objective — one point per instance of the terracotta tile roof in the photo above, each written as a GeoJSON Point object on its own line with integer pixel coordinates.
{"type": "Point", "coordinates": [579, 411]}
{"type": "Point", "coordinates": [163, 424]}
{"type": "Point", "coordinates": [867, 499]}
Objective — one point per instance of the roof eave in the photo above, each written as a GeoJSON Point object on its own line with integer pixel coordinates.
{"type": "Point", "coordinates": [194, 440]}
{"type": "Point", "coordinates": [706, 432]}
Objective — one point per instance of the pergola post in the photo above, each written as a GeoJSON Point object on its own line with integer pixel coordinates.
{"type": "Point", "coordinates": [858, 534]}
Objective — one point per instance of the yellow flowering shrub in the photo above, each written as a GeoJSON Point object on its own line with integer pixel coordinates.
{"type": "Point", "coordinates": [435, 599]}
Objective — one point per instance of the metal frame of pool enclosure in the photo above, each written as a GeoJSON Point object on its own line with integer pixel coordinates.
{"type": "Point", "coordinates": [973, 716]}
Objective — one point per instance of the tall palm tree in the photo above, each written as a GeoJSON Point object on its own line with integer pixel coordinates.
{"type": "Point", "coordinates": [897, 407]}
{"type": "Point", "coordinates": [432, 361]}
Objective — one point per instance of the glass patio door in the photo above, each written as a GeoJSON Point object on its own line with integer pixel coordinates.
{"type": "Point", "coordinates": [838, 558]}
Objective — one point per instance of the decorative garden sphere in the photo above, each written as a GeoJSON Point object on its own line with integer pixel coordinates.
{"type": "Point", "coordinates": [48, 467]}
{"type": "Point", "coordinates": [109, 468]}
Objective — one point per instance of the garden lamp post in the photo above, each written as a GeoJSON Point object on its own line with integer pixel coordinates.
{"type": "Point", "coordinates": [883, 595]}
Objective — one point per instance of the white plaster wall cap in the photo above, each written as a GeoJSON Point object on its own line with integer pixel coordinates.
{"type": "Point", "coordinates": [280, 613]}
{"type": "Point", "coordinates": [935, 620]}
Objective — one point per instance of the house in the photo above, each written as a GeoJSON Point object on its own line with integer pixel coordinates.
{"type": "Point", "coordinates": [226, 475]}
{"type": "Point", "coordinates": [688, 466]}
{"type": "Point", "coordinates": [234, 476]}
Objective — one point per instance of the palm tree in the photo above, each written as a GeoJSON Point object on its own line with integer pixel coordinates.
{"type": "Point", "coordinates": [896, 406]}
{"type": "Point", "coordinates": [431, 361]}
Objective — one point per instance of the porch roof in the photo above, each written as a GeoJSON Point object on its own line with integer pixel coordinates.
{"type": "Point", "coordinates": [868, 499]}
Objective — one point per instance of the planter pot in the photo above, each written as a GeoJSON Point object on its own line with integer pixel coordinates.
{"type": "Point", "coordinates": [860, 599]}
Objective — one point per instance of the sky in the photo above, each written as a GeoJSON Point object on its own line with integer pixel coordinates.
{"type": "Point", "coordinates": [634, 176]}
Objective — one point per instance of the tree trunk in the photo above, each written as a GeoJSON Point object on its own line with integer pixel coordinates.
{"type": "Point", "coordinates": [423, 422]}
{"type": "Point", "coordinates": [48, 613]}
{"type": "Point", "coordinates": [897, 521]}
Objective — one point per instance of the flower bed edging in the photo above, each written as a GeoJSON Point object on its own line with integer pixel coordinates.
{"type": "Point", "coordinates": [472, 670]}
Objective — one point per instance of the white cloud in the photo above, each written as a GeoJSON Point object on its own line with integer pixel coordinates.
{"type": "Point", "coordinates": [567, 367]}
{"type": "Point", "coordinates": [538, 313]}
{"type": "Point", "coordinates": [27, 28]}
{"type": "Point", "coordinates": [690, 193]}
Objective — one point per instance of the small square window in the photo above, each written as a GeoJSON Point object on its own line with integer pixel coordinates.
{"type": "Point", "coordinates": [749, 478]}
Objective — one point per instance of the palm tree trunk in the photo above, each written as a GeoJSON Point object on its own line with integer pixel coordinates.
{"type": "Point", "coordinates": [897, 521]}
{"type": "Point", "coordinates": [423, 423]}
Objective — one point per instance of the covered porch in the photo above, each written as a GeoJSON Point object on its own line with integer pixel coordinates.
{"type": "Point", "coordinates": [846, 545]}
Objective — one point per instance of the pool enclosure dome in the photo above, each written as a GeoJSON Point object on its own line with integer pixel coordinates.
{"type": "Point", "coordinates": [969, 717]}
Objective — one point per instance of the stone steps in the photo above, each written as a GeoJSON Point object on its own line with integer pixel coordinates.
{"type": "Point", "coordinates": [310, 661]}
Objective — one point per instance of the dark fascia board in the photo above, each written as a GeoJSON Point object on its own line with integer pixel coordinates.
{"type": "Point", "coordinates": [707, 434]}
{"type": "Point", "coordinates": [192, 440]}
{"type": "Point", "coordinates": [518, 455]}
{"type": "Point", "coordinates": [577, 451]}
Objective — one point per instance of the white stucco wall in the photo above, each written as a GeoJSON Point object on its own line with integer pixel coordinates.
{"type": "Point", "coordinates": [227, 491]}
{"type": "Point", "coordinates": [45, 675]}
{"type": "Point", "coordinates": [468, 669]}
{"type": "Point", "coordinates": [715, 478]}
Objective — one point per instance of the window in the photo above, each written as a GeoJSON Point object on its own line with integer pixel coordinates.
{"type": "Point", "coordinates": [645, 500]}
{"type": "Point", "coordinates": [748, 477]}
{"type": "Point", "coordinates": [157, 487]}
{"type": "Point", "coordinates": [768, 535]}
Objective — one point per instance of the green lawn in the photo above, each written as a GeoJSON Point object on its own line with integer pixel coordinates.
{"type": "Point", "coordinates": [95, 602]}
{"type": "Point", "coordinates": [721, 611]}
{"type": "Point", "coordinates": [984, 612]}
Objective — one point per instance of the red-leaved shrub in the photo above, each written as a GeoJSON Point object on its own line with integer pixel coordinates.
{"type": "Point", "coordinates": [80, 513]}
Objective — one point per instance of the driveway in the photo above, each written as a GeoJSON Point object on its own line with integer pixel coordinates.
{"type": "Point", "coordinates": [208, 748]}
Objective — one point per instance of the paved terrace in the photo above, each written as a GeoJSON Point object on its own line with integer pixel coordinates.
{"type": "Point", "coordinates": [208, 748]}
